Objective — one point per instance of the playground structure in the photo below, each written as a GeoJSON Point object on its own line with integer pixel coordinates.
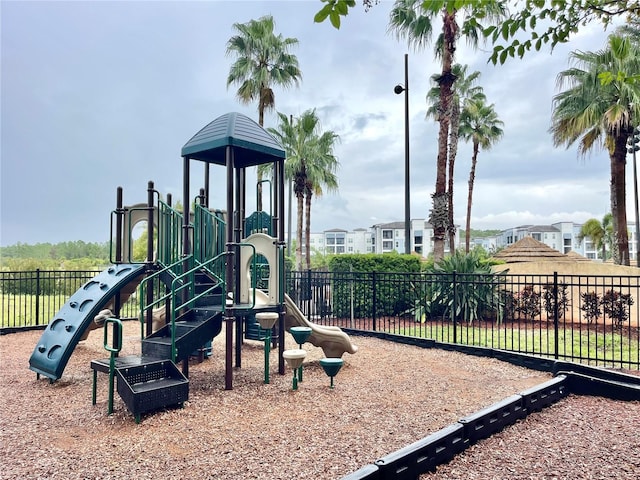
{"type": "Point", "coordinates": [202, 269]}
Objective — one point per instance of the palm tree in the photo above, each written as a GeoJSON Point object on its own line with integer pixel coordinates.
{"type": "Point", "coordinates": [262, 61]}
{"type": "Point", "coordinates": [311, 165]}
{"type": "Point", "coordinates": [600, 233]}
{"type": "Point", "coordinates": [598, 114]}
{"type": "Point", "coordinates": [464, 90]}
{"type": "Point", "coordinates": [412, 20]}
{"type": "Point", "coordinates": [321, 172]}
{"type": "Point", "coordinates": [479, 123]}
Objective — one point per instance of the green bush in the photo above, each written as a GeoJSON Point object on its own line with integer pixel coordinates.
{"type": "Point", "coordinates": [550, 300]}
{"type": "Point", "coordinates": [356, 276]}
{"type": "Point", "coordinates": [591, 306]}
{"type": "Point", "coordinates": [616, 305]}
{"type": "Point", "coordinates": [461, 287]}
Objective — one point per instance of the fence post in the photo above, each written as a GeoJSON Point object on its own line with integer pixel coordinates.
{"type": "Point", "coordinates": [556, 325]}
{"type": "Point", "coordinates": [309, 292]}
{"type": "Point", "coordinates": [37, 296]}
{"type": "Point", "coordinates": [374, 299]}
{"type": "Point", "coordinates": [455, 307]}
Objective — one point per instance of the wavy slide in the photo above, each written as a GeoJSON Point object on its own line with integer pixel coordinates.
{"type": "Point", "coordinates": [333, 341]}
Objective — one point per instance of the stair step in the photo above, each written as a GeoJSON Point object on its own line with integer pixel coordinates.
{"type": "Point", "coordinates": [151, 386]}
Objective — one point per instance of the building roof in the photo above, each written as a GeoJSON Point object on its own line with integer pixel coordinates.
{"type": "Point", "coordinates": [542, 228]}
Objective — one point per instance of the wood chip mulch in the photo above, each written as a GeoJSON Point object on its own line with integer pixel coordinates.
{"type": "Point", "coordinates": [386, 396]}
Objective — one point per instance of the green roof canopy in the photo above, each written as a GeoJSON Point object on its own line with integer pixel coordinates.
{"type": "Point", "coordinates": [252, 144]}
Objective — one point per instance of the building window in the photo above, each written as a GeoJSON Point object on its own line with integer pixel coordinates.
{"type": "Point", "coordinates": [387, 234]}
{"type": "Point", "coordinates": [537, 236]}
{"type": "Point", "coordinates": [387, 245]}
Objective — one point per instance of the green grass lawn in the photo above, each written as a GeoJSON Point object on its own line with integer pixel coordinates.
{"type": "Point", "coordinates": [20, 310]}
{"type": "Point", "coordinates": [611, 347]}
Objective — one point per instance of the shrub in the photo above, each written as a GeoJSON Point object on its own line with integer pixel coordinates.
{"type": "Point", "coordinates": [355, 276]}
{"type": "Point", "coordinates": [591, 306]}
{"type": "Point", "coordinates": [550, 299]}
{"type": "Point", "coordinates": [616, 305]}
{"type": "Point", "coordinates": [461, 285]}
{"type": "Point", "coordinates": [528, 302]}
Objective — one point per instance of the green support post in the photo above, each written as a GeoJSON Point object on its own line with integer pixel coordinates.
{"type": "Point", "coordinates": [300, 335]}
{"type": "Point", "coordinates": [267, 320]}
{"type": "Point", "coordinates": [113, 349]}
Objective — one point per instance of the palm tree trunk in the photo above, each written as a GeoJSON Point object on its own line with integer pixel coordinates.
{"type": "Point", "coordinates": [453, 151]}
{"type": "Point", "coordinates": [259, 187]}
{"type": "Point", "coordinates": [472, 179]}
{"type": "Point", "coordinates": [618, 203]}
{"type": "Point", "coordinates": [299, 197]}
{"type": "Point", "coordinates": [307, 229]}
{"type": "Point", "coordinates": [439, 215]}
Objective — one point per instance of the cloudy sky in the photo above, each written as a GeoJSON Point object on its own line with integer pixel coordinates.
{"type": "Point", "coordinates": [97, 95]}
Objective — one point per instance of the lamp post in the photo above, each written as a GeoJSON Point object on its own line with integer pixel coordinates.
{"type": "Point", "coordinates": [398, 89]}
{"type": "Point", "coordinates": [634, 139]}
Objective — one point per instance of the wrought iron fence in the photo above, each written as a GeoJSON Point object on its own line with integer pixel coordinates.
{"type": "Point", "coordinates": [591, 319]}
{"type": "Point", "coordinates": [32, 298]}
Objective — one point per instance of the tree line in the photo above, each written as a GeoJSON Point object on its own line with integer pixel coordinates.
{"type": "Point", "coordinates": [70, 255]}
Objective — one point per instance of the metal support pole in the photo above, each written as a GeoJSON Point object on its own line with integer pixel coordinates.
{"type": "Point", "coordinates": [398, 89]}
{"type": "Point", "coordinates": [119, 221]}
{"type": "Point", "coordinates": [407, 205]}
{"type": "Point", "coordinates": [229, 260]}
{"type": "Point", "coordinates": [635, 189]}
{"type": "Point", "coordinates": [149, 299]}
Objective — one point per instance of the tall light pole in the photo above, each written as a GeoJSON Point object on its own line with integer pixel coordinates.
{"type": "Point", "coordinates": [398, 89]}
{"type": "Point", "coordinates": [634, 139]}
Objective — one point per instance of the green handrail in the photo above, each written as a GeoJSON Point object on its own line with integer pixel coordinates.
{"type": "Point", "coordinates": [168, 270]}
{"type": "Point", "coordinates": [113, 350]}
{"type": "Point", "coordinates": [178, 285]}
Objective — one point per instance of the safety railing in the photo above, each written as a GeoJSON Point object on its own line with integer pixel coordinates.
{"type": "Point", "coordinates": [170, 234]}
{"type": "Point", "coordinates": [208, 233]}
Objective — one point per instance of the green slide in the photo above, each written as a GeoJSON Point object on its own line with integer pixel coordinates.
{"type": "Point", "coordinates": [65, 330]}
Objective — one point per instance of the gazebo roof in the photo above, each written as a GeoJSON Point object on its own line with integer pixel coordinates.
{"type": "Point", "coordinates": [575, 256]}
{"type": "Point", "coordinates": [528, 249]}
{"type": "Point", "coordinates": [252, 145]}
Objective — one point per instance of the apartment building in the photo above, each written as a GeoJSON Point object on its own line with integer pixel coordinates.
{"type": "Point", "coordinates": [337, 241]}
{"type": "Point", "coordinates": [390, 237]}
{"type": "Point", "coordinates": [379, 238]}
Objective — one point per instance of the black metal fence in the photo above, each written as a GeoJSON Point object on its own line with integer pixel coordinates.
{"type": "Point", "coordinates": [31, 299]}
{"type": "Point", "coordinates": [590, 319]}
